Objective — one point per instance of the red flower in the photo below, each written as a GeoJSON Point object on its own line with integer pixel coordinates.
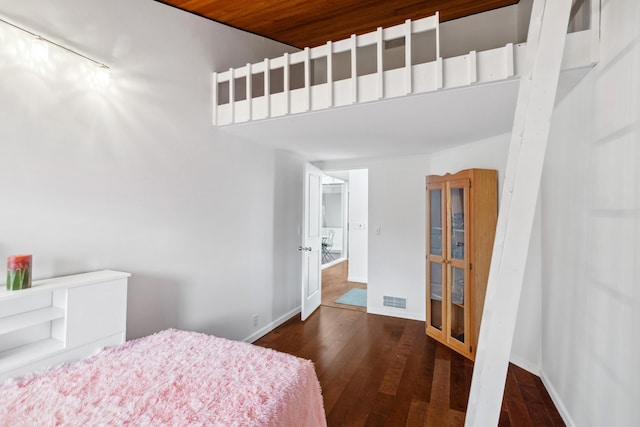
{"type": "Point", "coordinates": [18, 262]}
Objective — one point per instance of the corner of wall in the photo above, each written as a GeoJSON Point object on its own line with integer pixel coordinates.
{"type": "Point", "coordinates": [557, 401]}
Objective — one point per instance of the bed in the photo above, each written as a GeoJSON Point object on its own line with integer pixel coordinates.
{"type": "Point", "coordinates": [171, 378]}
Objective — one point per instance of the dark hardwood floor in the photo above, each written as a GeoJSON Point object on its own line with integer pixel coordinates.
{"type": "Point", "coordinates": [335, 284]}
{"type": "Point", "coordinates": [384, 371]}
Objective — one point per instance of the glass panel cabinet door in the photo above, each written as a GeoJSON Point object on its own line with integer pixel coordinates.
{"type": "Point", "coordinates": [435, 296]}
{"type": "Point", "coordinates": [435, 222]}
{"type": "Point", "coordinates": [436, 272]}
{"type": "Point", "coordinates": [457, 304]}
{"type": "Point", "coordinates": [456, 261]}
{"type": "Point", "coordinates": [457, 222]}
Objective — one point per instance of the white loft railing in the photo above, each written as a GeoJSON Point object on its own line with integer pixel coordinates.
{"type": "Point", "coordinates": [305, 81]}
{"type": "Point", "coordinates": [387, 63]}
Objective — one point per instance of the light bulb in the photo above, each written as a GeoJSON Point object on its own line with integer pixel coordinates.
{"type": "Point", "coordinates": [102, 77]}
{"type": "Point", "coordinates": [39, 50]}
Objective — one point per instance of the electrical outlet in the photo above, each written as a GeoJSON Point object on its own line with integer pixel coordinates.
{"type": "Point", "coordinates": [255, 320]}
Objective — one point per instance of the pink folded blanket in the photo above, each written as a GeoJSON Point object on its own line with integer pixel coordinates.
{"type": "Point", "coordinates": [172, 378]}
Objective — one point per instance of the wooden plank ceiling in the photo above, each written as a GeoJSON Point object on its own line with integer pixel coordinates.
{"type": "Point", "coordinates": [309, 23]}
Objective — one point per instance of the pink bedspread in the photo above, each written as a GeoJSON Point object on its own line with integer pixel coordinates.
{"type": "Point", "coordinates": [172, 378]}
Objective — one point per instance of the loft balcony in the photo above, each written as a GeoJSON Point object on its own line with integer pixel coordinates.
{"type": "Point", "coordinates": [390, 63]}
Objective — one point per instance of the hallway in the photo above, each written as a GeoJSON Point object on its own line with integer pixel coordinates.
{"type": "Point", "coordinates": [335, 284]}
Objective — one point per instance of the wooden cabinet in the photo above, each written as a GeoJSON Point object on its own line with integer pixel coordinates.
{"type": "Point", "coordinates": [462, 211]}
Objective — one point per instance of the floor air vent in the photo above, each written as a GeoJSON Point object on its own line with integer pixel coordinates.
{"type": "Point", "coordinates": [394, 302]}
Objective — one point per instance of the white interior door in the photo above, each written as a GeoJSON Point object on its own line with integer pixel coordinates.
{"type": "Point", "coordinates": [311, 248]}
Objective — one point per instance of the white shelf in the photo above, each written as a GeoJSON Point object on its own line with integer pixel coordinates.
{"type": "Point", "coordinates": [63, 282]}
{"type": "Point", "coordinates": [61, 319]}
{"type": "Point", "coordinates": [30, 318]}
{"type": "Point", "coordinates": [20, 356]}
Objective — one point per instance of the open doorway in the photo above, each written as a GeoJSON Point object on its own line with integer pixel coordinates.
{"type": "Point", "coordinates": [334, 220]}
{"type": "Point", "coordinates": [345, 239]}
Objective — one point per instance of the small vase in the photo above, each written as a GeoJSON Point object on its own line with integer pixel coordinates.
{"type": "Point", "coordinates": [18, 272]}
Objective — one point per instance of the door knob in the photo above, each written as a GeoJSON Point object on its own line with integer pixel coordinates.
{"type": "Point", "coordinates": [303, 248]}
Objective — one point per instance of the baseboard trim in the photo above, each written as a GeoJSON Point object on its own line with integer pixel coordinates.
{"type": "Point", "coordinates": [271, 326]}
{"type": "Point", "coordinates": [566, 417]}
{"type": "Point", "coordinates": [403, 314]}
{"type": "Point", "coordinates": [357, 279]}
{"type": "Point", "coordinates": [332, 263]}
{"type": "Point", "coordinates": [526, 365]}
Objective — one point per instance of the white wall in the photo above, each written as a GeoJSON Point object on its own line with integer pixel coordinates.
{"type": "Point", "coordinates": [397, 255]}
{"type": "Point", "coordinates": [524, 16]}
{"type": "Point", "coordinates": [480, 32]}
{"type": "Point", "coordinates": [136, 178]}
{"type": "Point", "coordinates": [591, 235]}
{"type": "Point", "coordinates": [457, 37]}
{"type": "Point", "coordinates": [358, 225]}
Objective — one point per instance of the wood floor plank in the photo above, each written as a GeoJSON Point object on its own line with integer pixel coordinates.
{"type": "Point", "coordinates": [504, 419]}
{"type": "Point", "coordinates": [384, 371]}
{"type": "Point", "coordinates": [535, 406]}
{"type": "Point", "coordinates": [376, 420]}
{"type": "Point", "coordinates": [381, 402]}
{"type": "Point", "coordinates": [439, 403]}
{"type": "Point", "coordinates": [417, 413]}
{"type": "Point", "coordinates": [422, 388]}
{"type": "Point", "coordinates": [460, 383]}
{"type": "Point", "coordinates": [456, 418]}
{"type": "Point", "coordinates": [411, 384]}
{"type": "Point", "coordinates": [342, 411]}
{"type": "Point", "coordinates": [380, 410]}
{"type": "Point", "coordinates": [518, 414]}
{"type": "Point", "coordinates": [341, 372]}
{"type": "Point", "coordinates": [394, 372]}
{"type": "Point", "coordinates": [550, 408]}
{"type": "Point", "coordinates": [367, 397]}
{"type": "Point", "coordinates": [360, 392]}
{"type": "Point", "coordinates": [521, 376]}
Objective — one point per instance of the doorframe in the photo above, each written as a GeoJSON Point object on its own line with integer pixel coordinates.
{"type": "Point", "coordinates": [348, 199]}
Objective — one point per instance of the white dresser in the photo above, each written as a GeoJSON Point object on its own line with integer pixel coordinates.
{"type": "Point", "coordinates": [61, 319]}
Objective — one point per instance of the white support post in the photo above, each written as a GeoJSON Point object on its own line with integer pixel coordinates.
{"type": "Point", "coordinates": [380, 67]}
{"type": "Point", "coordinates": [267, 85]}
{"type": "Point", "coordinates": [439, 65]}
{"type": "Point", "coordinates": [249, 95]}
{"type": "Point", "coordinates": [330, 73]}
{"type": "Point", "coordinates": [408, 76]}
{"type": "Point", "coordinates": [538, 86]}
{"type": "Point", "coordinates": [232, 94]}
{"type": "Point", "coordinates": [472, 60]}
{"type": "Point", "coordinates": [287, 94]}
{"type": "Point", "coordinates": [437, 34]}
{"type": "Point", "coordinates": [214, 97]}
{"type": "Point", "coordinates": [594, 27]}
{"type": "Point", "coordinates": [307, 76]}
{"type": "Point", "coordinates": [508, 53]}
{"type": "Point", "coordinates": [439, 73]}
{"type": "Point", "coordinates": [354, 71]}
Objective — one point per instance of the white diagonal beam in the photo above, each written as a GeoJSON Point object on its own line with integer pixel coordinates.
{"type": "Point", "coordinates": [536, 96]}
